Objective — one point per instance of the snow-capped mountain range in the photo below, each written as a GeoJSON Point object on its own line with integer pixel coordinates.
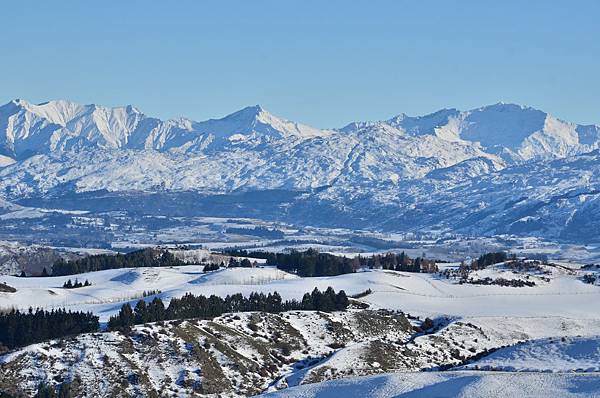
{"type": "Point", "coordinates": [495, 169]}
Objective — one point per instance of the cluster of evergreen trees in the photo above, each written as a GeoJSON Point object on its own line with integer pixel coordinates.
{"type": "Point", "coordinates": [70, 285]}
{"type": "Point", "coordinates": [489, 259]}
{"type": "Point", "coordinates": [191, 306]}
{"type": "Point", "coordinates": [312, 263]}
{"type": "Point", "coordinates": [398, 262]}
{"type": "Point", "coordinates": [212, 267]}
{"type": "Point", "coordinates": [246, 253]}
{"type": "Point", "coordinates": [141, 258]}
{"type": "Point", "coordinates": [236, 263]}
{"type": "Point", "coordinates": [22, 328]}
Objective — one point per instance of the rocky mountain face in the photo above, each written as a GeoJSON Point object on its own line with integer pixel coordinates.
{"type": "Point", "coordinates": [502, 168]}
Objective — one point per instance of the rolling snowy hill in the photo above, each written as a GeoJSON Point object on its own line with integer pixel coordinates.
{"type": "Point", "coordinates": [483, 333]}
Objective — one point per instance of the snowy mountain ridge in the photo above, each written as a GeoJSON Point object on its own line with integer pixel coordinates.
{"type": "Point", "coordinates": [510, 130]}
{"type": "Point", "coordinates": [356, 173]}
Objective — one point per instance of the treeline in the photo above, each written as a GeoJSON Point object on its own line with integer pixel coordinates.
{"type": "Point", "coordinates": [313, 263]}
{"type": "Point", "coordinates": [398, 262]}
{"type": "Point", "coordinates": [141, 258]}
{"type": "Point", "coordinates": [19, 329]}
{"type": "Point", "coordinates": [500, 282]}
{"type": "Point", "coordinates": [232, 263]}
{"type": "Point", "coordinates": [212, 267]}
{"type": "Point", "coordinates": [23, 328]}
{"type": "Point", "coordinates": [246, 253]}
{"type": "Point", "coordinates": [239, 263]}
{"type": "Point", "coordinates": [191, 306]}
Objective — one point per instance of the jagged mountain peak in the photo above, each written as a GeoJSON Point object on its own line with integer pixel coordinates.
{"type": "Point", "coordinates": [512, 131]}
{"type": "Point", "coordinates": [248, 112]}
{"type": "Point", "coordinates": [420, 125]}
{"type": "Point", "coordinates": [255, 120]}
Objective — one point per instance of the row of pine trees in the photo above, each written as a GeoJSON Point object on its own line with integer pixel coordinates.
{"type": "Point", "coordinates": [191, 306]}
{"type": "Point", "coordinates": [75, 285]}
{"type": "Point", "coordinates": [19, 329]}
{"type": "Point", "coordinates": [313, 263]}
{"type": "Point", "coordinates": [307, 263]}
{"type": "Point", "coordinates": [148, 257]}
{"type": "Point", "coordinates": [398, 262]}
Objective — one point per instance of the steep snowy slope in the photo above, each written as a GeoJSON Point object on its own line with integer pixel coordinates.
{"type": "Point", "coordinates": [27, 129]}
{"type": "Point", "coordinates": [557, 198]}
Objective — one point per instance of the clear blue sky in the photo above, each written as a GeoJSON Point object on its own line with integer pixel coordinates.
{"type": "Point", "coordinates": [323, 63]}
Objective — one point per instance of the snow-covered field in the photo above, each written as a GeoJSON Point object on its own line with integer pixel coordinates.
{"type": "Point", "coordinates": [565, 354]}
{"type": "Point", "coordinates": [463, 384]}
{"type": "Point", "coordinates": [564, 296]}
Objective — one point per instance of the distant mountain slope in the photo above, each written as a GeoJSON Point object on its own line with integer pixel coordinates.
{"type": "Point", "coordinates": [559, 198]}
{"type": "Point", "coordinates": [450, 170]}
